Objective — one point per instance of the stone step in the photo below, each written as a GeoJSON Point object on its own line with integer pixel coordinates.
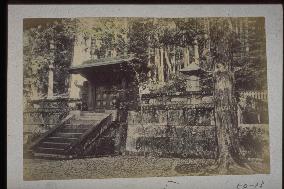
{"type": "Point", "coordinates": [50, 150]}
{"type": "Point", "coordinates": [73, 130]}
{"type": "Point", "coordinates": [52, 155]}
{"type": "Point", "coordinates": [48, 144]}
{"type": "Point", "coordinates": [77, 126]}
{"type": "Point", "coordinates": [91, 113]}
{"type": "Point", "coordinates": [67, 135]}
{"type": "Point", "coordinates": [95, 117]}
{"type": "Point", "coordinates": [83, 122]}
{"type": "Point", "coordinates": [60, 139]}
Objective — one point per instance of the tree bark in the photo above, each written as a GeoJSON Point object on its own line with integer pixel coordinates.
{"type": "Point", "coordinates": [226, 118]}
{"type": "Point", "coordinates": [228, 156]}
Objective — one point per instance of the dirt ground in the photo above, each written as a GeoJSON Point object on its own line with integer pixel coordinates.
{"type": "Point", "coordinates": [112, 167]}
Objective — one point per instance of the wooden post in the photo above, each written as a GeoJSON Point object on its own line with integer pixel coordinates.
{"type": "Point", "coordinates": [120, 139]}
{"type": "Point", "coordinates": [90, 96]}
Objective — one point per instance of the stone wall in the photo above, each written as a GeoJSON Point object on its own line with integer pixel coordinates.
{"type": "Point", "coordinates": [254, 140]}
{"type": "Point", "coordinates": [174, 126]}
{"type": "Point", "coordinates": [165, 132]}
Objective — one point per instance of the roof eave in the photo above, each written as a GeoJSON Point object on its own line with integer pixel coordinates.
{"type": "Point", "coordinates": [92, 64]}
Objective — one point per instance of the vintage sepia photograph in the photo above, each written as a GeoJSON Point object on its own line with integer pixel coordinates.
{"type": "Point", "coordinates": [129, 97]}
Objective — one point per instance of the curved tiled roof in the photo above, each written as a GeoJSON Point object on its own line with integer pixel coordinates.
{"type": "Point", "coordinates": [101, 62]}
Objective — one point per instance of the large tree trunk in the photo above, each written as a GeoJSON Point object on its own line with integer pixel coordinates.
{"type": "Point", "coordinates": [229, 157]}
{"type": "Point", "coordinates": [226, 119]}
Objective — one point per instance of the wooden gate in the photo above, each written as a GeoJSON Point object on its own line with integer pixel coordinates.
{"type": "Point", "coordinates": [106, 97]}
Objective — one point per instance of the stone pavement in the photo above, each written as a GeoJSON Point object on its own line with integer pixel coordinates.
{"type": "Point", "coordinates": [109, 167]}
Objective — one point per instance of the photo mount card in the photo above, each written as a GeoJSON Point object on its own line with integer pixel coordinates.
{"type": "Point", "coordinates": [170, 98]}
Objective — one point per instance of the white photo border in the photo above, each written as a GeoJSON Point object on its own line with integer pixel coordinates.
{"type": "Point", "coordinates": [274, 43]}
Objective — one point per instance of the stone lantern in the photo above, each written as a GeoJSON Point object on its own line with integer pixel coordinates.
{"type": "Point", "coordinates": [193, 73]}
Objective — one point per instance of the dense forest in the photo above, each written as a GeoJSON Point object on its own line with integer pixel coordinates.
{"type": "Point", "coordinates": [167, 42]}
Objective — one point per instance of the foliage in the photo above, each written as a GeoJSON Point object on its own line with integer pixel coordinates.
{"type": "Point", "coordinates": [38, 54]}
{"type": "Point", "coordinates": [136, 36]}
{"type": "Point", "coordinates": [253, 72]}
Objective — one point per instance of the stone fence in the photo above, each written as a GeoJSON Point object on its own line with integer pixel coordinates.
{"type": "Point", "coordinates": [42, 114]}
{"type": "Point", "coordinates": [162, 133]}
{"type": "Point", "coordinates": [260, 95]}
{"type": "Point", "coordinates": [183, 125]}
{"type": "Point", "coordinates": [173, 124]}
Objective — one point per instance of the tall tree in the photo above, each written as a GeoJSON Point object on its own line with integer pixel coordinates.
{"type": "Point", "coordinates": [222, 40]}
{"type": "Point", "coordinates": [253, 72]}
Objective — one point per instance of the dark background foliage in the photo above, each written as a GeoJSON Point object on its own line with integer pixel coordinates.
{"type": "Point", "coordinates": [249, 47]}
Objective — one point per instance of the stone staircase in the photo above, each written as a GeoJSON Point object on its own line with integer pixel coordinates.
{"type": "Point", "coordinates": [74, 136]}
